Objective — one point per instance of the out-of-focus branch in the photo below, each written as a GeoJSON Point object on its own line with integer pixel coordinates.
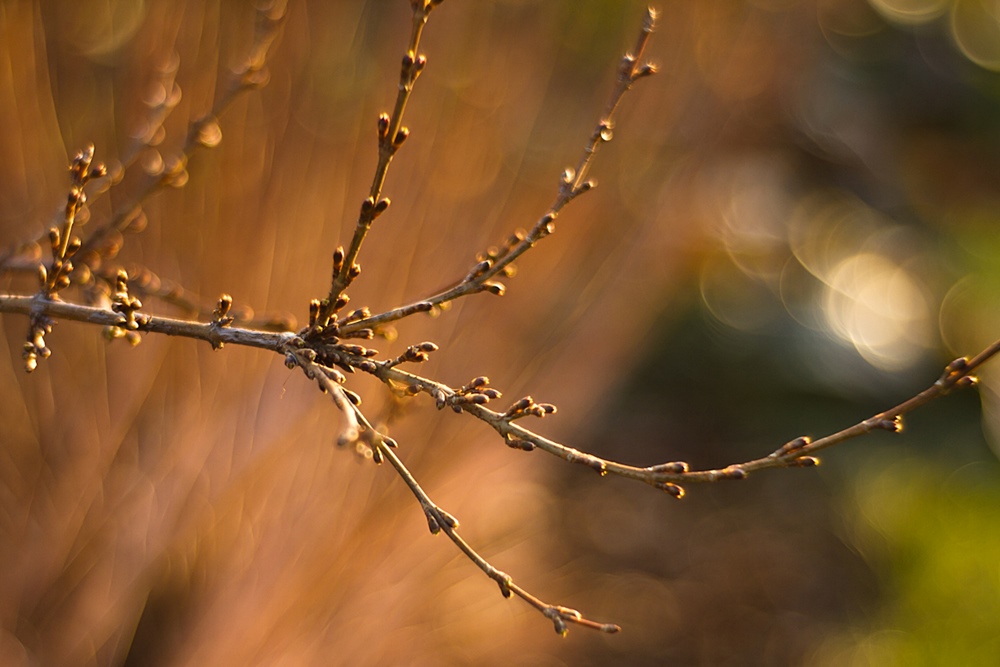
{"type": "Point", "coordinates": [203, 132]}
{"type": "Point", "coordinates": [104, 240]}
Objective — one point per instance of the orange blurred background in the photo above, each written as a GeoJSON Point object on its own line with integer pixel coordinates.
{"type": "Point", "coordinates": [794, 229]}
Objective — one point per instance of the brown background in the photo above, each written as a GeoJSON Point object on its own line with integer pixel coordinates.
{"type": "Point", "coordinates": [171, 505]}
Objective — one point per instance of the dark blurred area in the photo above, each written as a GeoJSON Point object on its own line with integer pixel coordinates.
{"type": "Point", "coordinates": [794, 229]}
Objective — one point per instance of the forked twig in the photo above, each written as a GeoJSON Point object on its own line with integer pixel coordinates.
{"type": "Point", "coordinates": [666, 476]}
{"type": "Point", "coordinates": [438, 520]}
{"type": "Point", "coordinates": [203, 132]}
{"type": "Point", "coordinates": [319, 349]}
{"type": "Point", "coordinates": [574, 182]}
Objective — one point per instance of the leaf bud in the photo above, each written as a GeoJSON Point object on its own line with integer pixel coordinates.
{"type": "Point", "coordinates": [494, 288]}
{"type": "Point", "coordinates": [675, 490]}
{"type": "Point", "coordinates": [674, 467]}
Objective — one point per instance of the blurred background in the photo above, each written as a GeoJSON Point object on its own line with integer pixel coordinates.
{"type": "Point", "coordinates": [795, 228]}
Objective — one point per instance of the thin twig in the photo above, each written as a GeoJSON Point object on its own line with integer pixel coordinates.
{"type": "Point", "coordinates": [210, 332]}
{"type": "Point", "coordinates": [667, 476]}
{"type": "Point", "coordinates": [438, 519]}
{"type": "Point", "coordinates": [574, 183]}
{"type": "Point", "coordinates": [204, 131]}
{"type": "Point", "coordinates": [797, 453]}
{"type": "Point", "coordinates": [391, 135]}
{"type": "Point", "coordinates": [305, 352]}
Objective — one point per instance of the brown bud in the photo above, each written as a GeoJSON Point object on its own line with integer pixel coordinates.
{"type": "Point", "coordinates": [893, 425]}
{"type": "Point", "coordinates": [223, 306]}
{"type": "Point", "coordinates": [480, 268]}
{"type": "Point", "coordinates": [806, 461]}
{"type": "Point", "coordinates": [352, 397]}
{"type": "Point", "coordinates": [674, 467]}
{"type": "Point", "coordinates": [793, 445]}
{"type": "Point", "coordinates": [734, 472]}
{"type": "Point", "coordinates": [646, 70]}
{"type": "Point", "coordinates": [494, 288]}
{"type": "Point", "coordinates": [517, 443]}
{"type": "Point", "coordinates": [673, 489]}
{"type": "Point", "coordinates": [358, 314]}
{"type": "Point", "coordinates": [959, 364]}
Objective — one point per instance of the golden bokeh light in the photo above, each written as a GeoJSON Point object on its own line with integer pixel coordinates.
{"type": "Point", "coordinates": [878, 307]}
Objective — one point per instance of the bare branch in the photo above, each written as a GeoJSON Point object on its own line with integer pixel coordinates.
{"type": "Point", "coordinates": [573, 183]}
{"type": "Point", "coordinates": [391, 135]}
{"type": "Point", "coordinates": [668, 476]}
{"type": "Point", "coordinates": [210, 332]}
{"type": "Point", "coordinates": [438, 520]}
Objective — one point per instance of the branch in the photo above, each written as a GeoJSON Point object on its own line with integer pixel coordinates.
{"type": "Point", "coordinates": [202, 132]}
{"type": "Point", "coordinates": [574, 182]}
{"type": "Point", "coordinates": [212, 332]}
{"type": "Point", "coordinates": [391, 135]}
{"type": "Point", "coordinates": [472, 399]}
{"type": "Point", "coordinates": [316, 351]}
{"type": "Point", "coordinates": [382, 447]}
{"type": "Point", "coordinates": [668, 477]}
